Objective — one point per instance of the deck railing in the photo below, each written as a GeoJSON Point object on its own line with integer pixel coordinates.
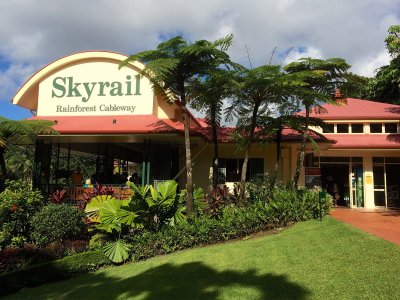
{"type": "Point", "coordinates": [75, 193]}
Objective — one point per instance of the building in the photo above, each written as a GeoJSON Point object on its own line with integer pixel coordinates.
{"type": "Point", "coordinates": [364, 161]}
{"type": "Point", "coordinates": [114, 116]}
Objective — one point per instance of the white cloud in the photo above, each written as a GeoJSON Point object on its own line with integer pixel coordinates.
{"type": "Point", "coordinates": [34, 33]}
{"type": "Point", "coordinates": [296, 54]}
{"type": "Point", "coordinates": [368, 65]}
{"type": "Point", "coordinates": [11, 77]}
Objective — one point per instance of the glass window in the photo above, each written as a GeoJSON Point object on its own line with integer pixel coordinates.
{"type": "Point", "coordinates": [390, 127]}
{"type": "Point", "coordinates": [377, 160]}
{"type": "Point", "coordinates": [230, 169]}
{"type": "Point", "coordinates": [342, 128]}
{"type": "Point", "coordinates": [329, 128]}
{"type": "Point", "coordinates": [357, 128]}
{"type": "Point", "coordinates": [334, 159]}
{"type": "Point", "coordinates": [375, 127]}
{"type": "Point", "coordinates": [357, 159]}
{"type": "Point", "coordinates": [394, 160]}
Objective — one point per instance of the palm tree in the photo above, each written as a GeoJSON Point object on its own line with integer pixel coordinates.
{"type": "Point", "coordinates": [322, 77]}
{"type": "Point", "coordinates": [207, 95]}
{"type": "Point", "coordinates": [13, 132]}
{"type": "Point", "coordinates": [171, 67]}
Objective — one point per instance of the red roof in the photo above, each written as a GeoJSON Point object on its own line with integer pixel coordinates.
{"type": "Point", "coordinates": [288, 135]}
{"type": "Point", "coordinates": [365, 141]}
{"type": "Point", "coordinates": [357, 109]}
{"type": "Point", "coordinates": [112, 124]}
{"type": "Point", "coordinates": [142, 124]}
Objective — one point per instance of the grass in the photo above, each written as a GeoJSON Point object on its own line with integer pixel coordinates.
{"type": "Point", "coordinates": [311, 260]}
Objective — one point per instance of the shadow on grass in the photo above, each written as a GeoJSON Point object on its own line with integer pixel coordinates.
{"type": "Point", "coordinates": [188, 281]}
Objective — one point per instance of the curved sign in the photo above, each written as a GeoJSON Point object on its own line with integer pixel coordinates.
{"type": "Point", "coordinates": [95, 88]}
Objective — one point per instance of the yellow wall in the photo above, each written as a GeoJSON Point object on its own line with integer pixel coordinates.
{"type": "Point", "coordinates": [202, 170]}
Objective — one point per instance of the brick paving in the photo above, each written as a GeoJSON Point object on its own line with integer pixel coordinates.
{"type": "Point", "coordinates": [382, 223]}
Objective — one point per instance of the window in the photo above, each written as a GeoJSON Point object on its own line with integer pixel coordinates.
{"type": "Point", "coordinates": [375, 127]}
{"type": "Point", "coordinates": [328, 128]}
{"type": "Point", "coordinates": [342, 128]}
{"type": "Point", "coordinates": [357, 128]}
{"type": "Point", "coordinates": [391, 127]}
{"type": "Point", "coordinates": [230, 169]}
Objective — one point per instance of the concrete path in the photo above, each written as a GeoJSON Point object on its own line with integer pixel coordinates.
{"type": "Point", "coordinates": [382, 223]}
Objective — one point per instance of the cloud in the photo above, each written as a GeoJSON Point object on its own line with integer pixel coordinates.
{"type": "Point", "coordinates": [368, 65]}
{"type": "Point", "coordinates": [35, 33]}
{"type": "Point", "coordinates": [11, 77]}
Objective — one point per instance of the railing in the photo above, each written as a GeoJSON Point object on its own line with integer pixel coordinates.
{"type": "Point", "coordinates": [76, 193]}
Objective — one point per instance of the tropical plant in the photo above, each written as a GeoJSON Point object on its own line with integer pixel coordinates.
{"type": "Point", "coordinates": [171, 68]}
{"type": "Point", "coordinates": [385, 86]}
{"type": "Point", "coordinates": [14, 132]}
{"type": "Point", "coordinates": [256, 91]}
{"type": "Point", "coordinates": [159, 206]}
{"type": "Point", "coordinates": [58, 196]}
{"type": "Point", "coordinates": [207, 95]}
{"type": "Point", "coordinates": [18, 203]}
{"type": "Point", "coordinates": [320, 78]}
{"type": "Point", "coordinates": [149, 207]}
{"type": "Point", "coordinates": [216, 200]}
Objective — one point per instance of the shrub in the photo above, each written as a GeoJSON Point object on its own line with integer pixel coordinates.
{"type": "Point", "coordinates": [287, 207]}
{"type": "Point", "coordinates": [55, 223]}
{"type": "Point", "coordinates": [51, 271]}
{"type": "Point", "coordinates": [13, 258]}
{"type": "Point", "coordinates": [217, 199]}
{"type": "Point", "coordinates": [259, 187]}
{"type": "Point", "coordinates": [18, 203]}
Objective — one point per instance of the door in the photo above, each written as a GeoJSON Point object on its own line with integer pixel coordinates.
{"type": "Point", "coordinates": [379, 185]}
{"type": "Point", "coordinates": [393, 185]}
{"type": "Point", "coordinates": [357, 186]}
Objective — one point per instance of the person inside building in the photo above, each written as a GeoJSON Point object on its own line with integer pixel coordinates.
{"type": "Point", "coordinates": [332, 189]}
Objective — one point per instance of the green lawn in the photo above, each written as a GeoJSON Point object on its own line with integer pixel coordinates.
{"type": "Point", "coordinates": [311, 260]}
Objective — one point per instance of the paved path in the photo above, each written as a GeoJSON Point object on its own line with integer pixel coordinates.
{"type": "Point", "coordinates": [382, 223]}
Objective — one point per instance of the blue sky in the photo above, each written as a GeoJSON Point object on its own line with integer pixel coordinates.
{"type": "Point", "coordinates": [32, 36]}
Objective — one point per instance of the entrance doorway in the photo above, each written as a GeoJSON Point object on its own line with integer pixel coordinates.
{"type": "Point", "coordinates": [386, 181]}
{"type": "Point", "coordinates": [342, 178]}
{"type": "Point", "coordinates": [335, 180]}
{"type": "Point", "coordinates": [393, 185]}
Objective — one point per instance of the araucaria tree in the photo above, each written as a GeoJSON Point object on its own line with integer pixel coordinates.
{"type": "Point", "coordinates": [321, 78]}
{"type": "Point", "coordinates": [171, 67]}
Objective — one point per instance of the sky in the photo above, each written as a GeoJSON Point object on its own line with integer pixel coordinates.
{"type": "Point", "coordinates": [34, 33]}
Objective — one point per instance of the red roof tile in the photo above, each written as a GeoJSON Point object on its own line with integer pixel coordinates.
{"type": "Point", "coordinates": [365, 141]}
{"type": "Point", "coordinates": [358, 109]}
{"type": "Point", "coordinates": [112, 124]}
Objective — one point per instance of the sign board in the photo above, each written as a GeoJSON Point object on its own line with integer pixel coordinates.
{"type": "Point", "coordinates": [94, 89]}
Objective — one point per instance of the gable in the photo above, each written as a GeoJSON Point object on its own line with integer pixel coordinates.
{"type": "Point", "coordinates": [88, 83]}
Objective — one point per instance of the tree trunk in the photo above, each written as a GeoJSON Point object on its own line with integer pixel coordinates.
{"type": "Point", "coordinates": [189, 179]}
{"type": "Point", "coordinates": [3, 170]}
{"type": "Point", "coordinates": [278, 140]}
{"type": "Point", "coordinates": [300, 160]}
{"type": "Point", "coordinates": [242, 193]}
{"type": "Point", "coordinates": [215, 141]}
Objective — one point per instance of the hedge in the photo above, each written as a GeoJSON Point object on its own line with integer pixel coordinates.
{"type": "Point", "coordinates": [52, 271]}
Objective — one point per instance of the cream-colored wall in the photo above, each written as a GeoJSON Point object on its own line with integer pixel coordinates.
{"type": "Point", "coordinates": [166, 110]}
{"type": "Point", "coordinates": [202, 170]}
